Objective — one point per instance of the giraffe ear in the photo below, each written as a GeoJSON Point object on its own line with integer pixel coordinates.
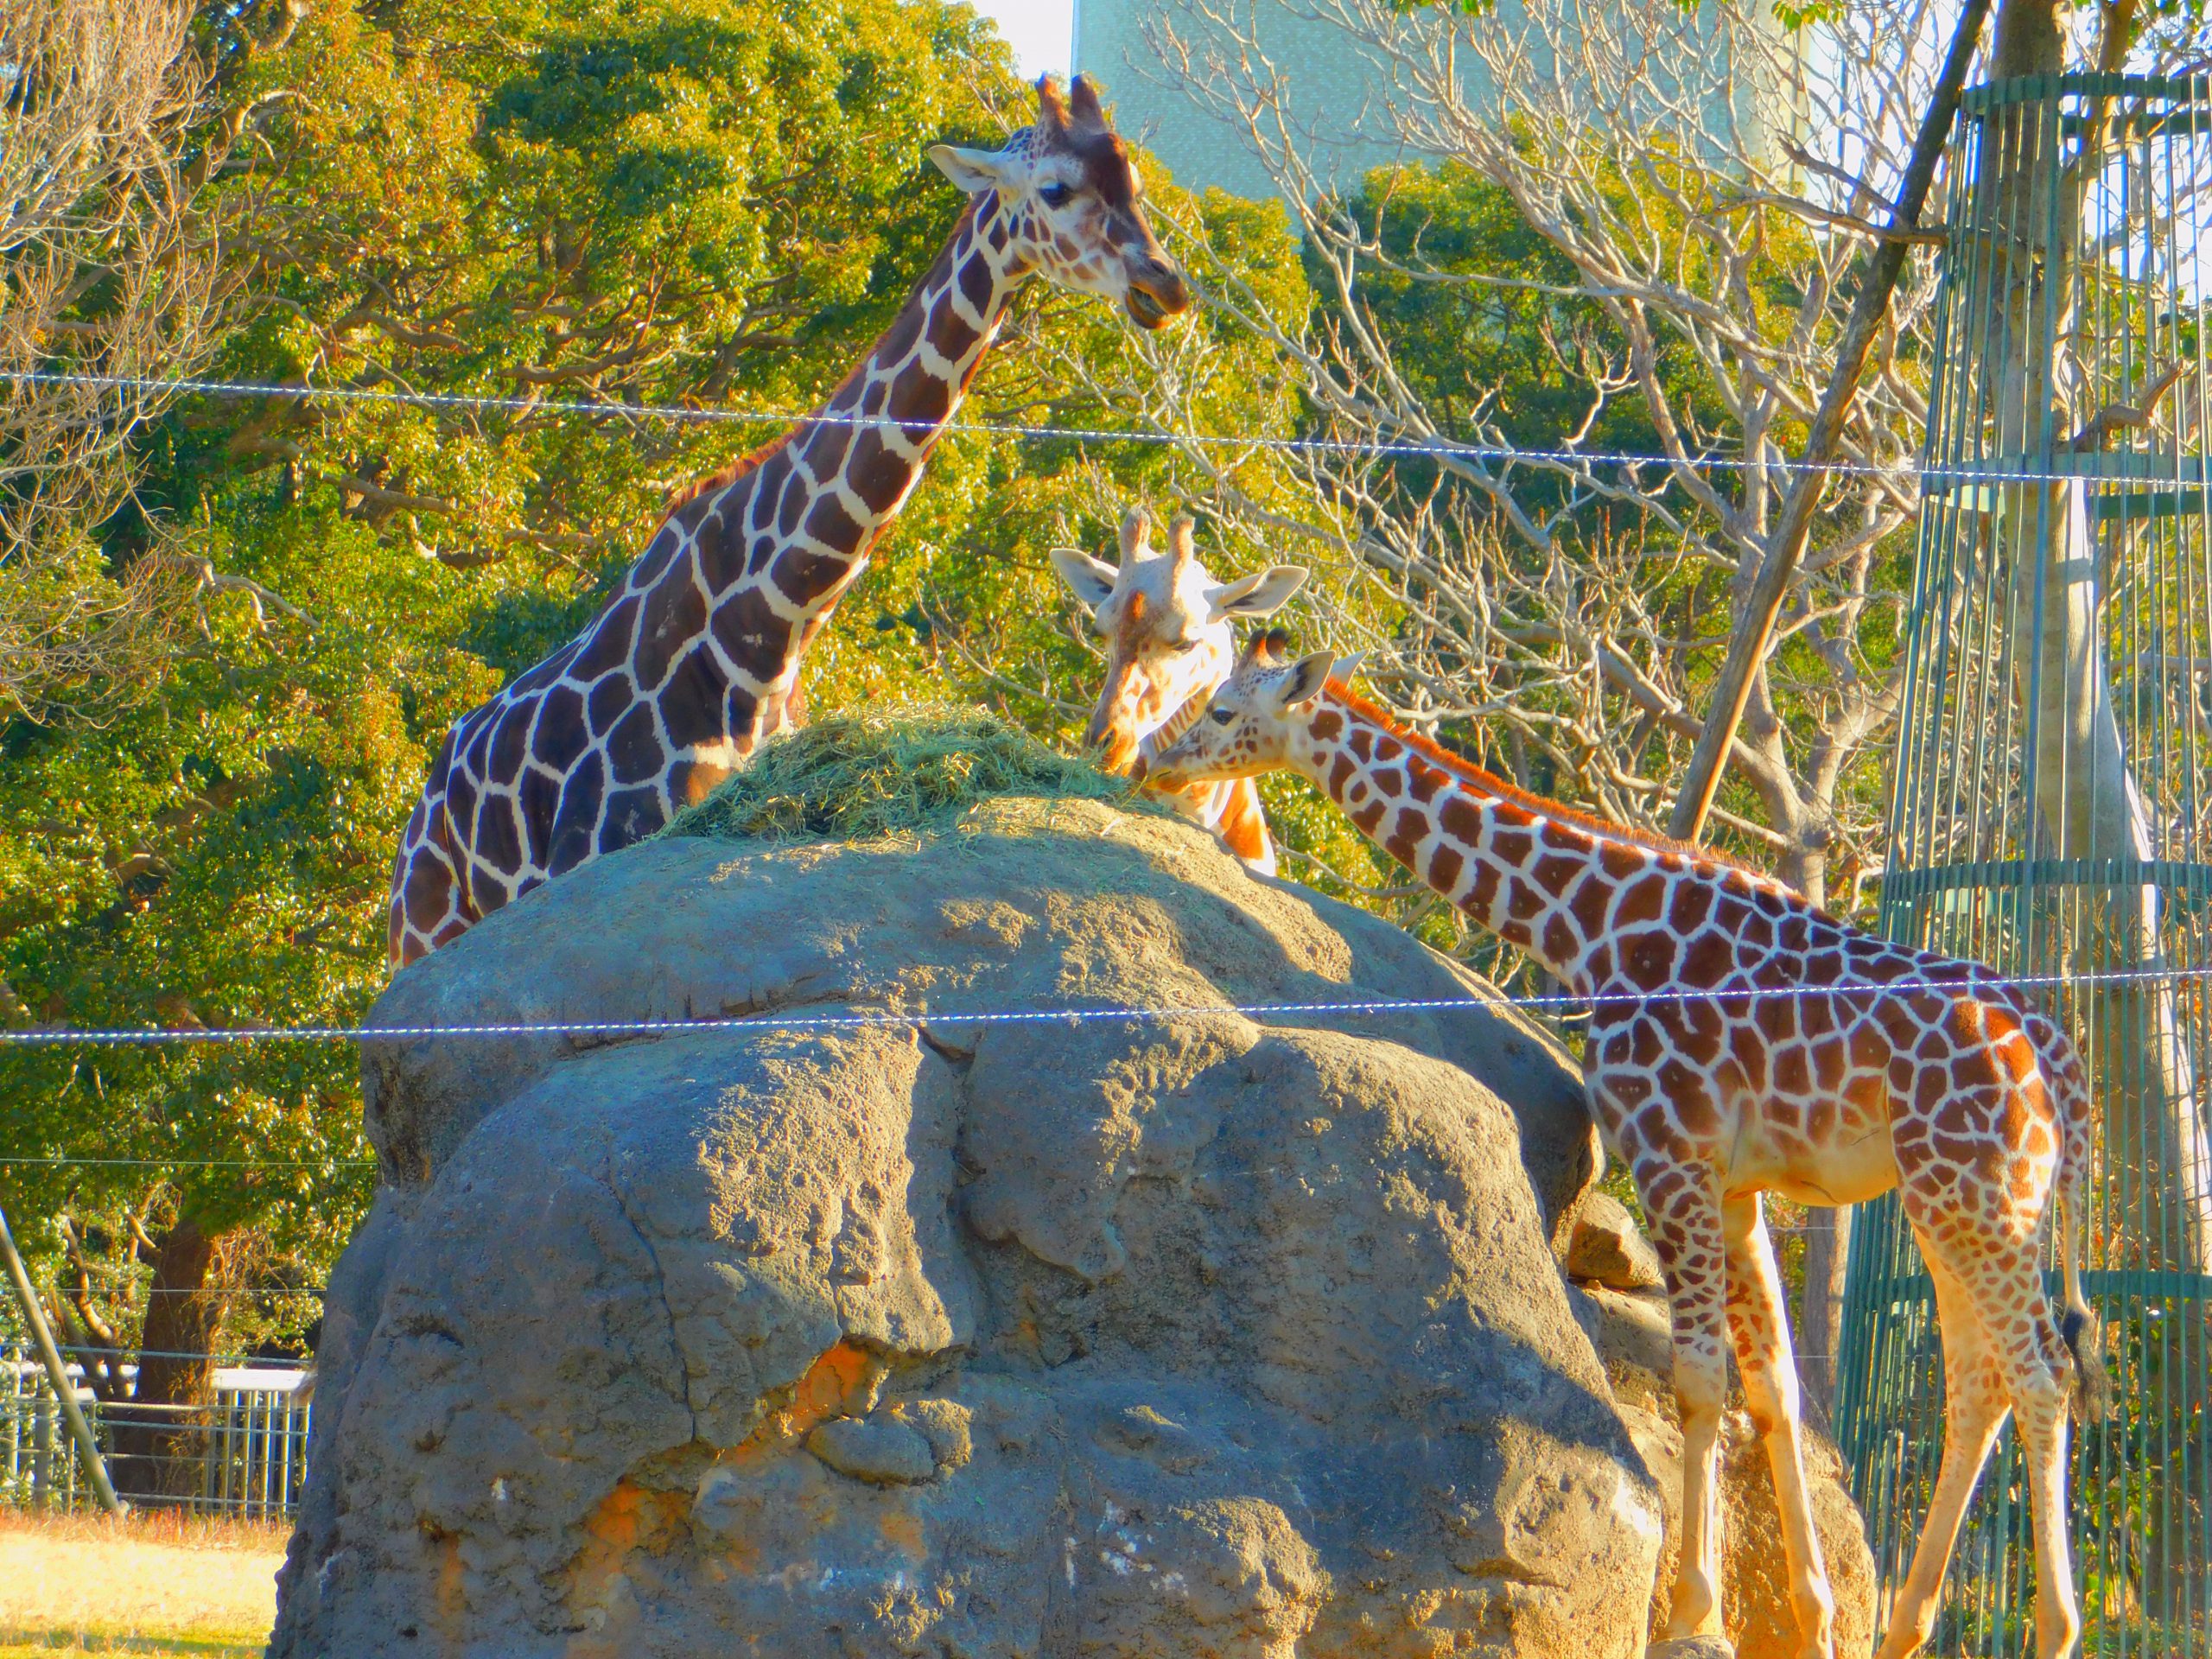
{"type": "Point", "coordinates": [1090, 579]}
{"type": "Point", "coordinates": [973, 170]}
{"type": "Point", "coordinates": [1348, 665]}
{"type": "Point", "coordinates": [1261, 594]}
{"type": "Point", "coordinates": [1304, 682]}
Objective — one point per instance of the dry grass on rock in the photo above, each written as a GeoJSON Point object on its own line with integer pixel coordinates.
{"type": "Point", "coordinates": [908, 770]}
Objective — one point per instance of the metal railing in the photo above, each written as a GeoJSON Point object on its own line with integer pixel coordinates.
{"type": "Point", "coordinates": [243, 1454]}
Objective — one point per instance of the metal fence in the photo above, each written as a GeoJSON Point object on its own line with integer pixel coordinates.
{"type": "Point", "coordinates": [2052, 814]}
{"type": "Point", "coordinates": [244, 1453]}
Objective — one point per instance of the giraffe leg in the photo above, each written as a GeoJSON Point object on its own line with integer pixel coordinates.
{"type": "Point", "coordinates": [1974, 1409]}
{"type": "Point", "coordinates": [2039, 1407]}
{"type": "Point", "coordinates": [1687, 1233]}
{"type": "Point", "coordinates": [2023, 1337]}
{"type": "Point", "coordinates": [1760, 1329]}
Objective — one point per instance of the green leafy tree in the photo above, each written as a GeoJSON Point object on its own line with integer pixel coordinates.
{"type": "Point", "coordinates": [709, 204]}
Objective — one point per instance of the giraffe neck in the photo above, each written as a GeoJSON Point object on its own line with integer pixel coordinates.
{"type": "Point", "coordinates": [1545, 880]}
{"type": "Point", "coordinates": [795, 524]}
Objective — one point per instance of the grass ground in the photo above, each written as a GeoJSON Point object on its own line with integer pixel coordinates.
{"type": "Point", "coordinates": [160, 1584]}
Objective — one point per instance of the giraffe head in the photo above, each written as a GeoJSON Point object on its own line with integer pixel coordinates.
{"type": "Point", "coordinates": [1075, 204]}
{"type": "Point", "coordinates": [1251, 723]}
{"type": "Point", "coordinates": [1166, 622]}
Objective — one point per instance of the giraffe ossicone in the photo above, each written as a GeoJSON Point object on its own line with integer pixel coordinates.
{"type": "Point", "coordinates": [698, 657]}
{"type": "Point", "coordinates": [1167, 625]}
{"type": "Point", "coordinates": [1743, 1042]}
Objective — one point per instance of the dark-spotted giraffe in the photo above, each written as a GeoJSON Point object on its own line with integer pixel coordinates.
{"type": "Point", "coordinates": [697, 658]}
{"type": "Point", "coordinates": [1166, 624]}
{"type": "Point", "coordinates": [1742, 1042]}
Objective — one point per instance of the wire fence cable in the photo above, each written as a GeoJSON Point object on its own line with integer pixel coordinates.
{"type": "Point", "coordinates": [1980, 473]}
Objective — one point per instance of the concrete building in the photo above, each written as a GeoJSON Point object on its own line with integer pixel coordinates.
{"type": "Point", "coordinates": [1332, 83]}
{"type": "Point", "coordinates": [1339, 96]}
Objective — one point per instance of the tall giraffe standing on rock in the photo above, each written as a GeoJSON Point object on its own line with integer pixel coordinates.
{"type": "Point", "coordinates": [1166, 624]}
{"type": "Point", "coordinates": [1741, 1042]}
{"type": "Point", "coordinates": [697, 658]}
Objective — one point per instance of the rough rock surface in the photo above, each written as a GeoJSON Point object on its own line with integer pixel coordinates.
{"type": "Point", "coordinates": [1632, 1334]}
{"type": "Point", "coordinates": [1237, 1334]}
{"type": "Point", "coordinates": [1605, 1247]}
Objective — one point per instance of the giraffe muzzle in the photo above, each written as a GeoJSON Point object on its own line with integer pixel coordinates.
{"type": "Point", "coordinates": [1157, 295]}
{"type": "Point", "coordinates": [1117, 754]}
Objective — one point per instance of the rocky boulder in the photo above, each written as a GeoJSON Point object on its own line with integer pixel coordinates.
{"type": "Point", "coordinates": [1606, 1247]}
{"type": "Point", "coordinates": [1227, 1333]}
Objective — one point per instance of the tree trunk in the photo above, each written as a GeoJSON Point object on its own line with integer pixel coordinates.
{"type": "Point", "coordinates": [157, 1446]}
{"type": "Point", "coordinates": [1820, 1325]}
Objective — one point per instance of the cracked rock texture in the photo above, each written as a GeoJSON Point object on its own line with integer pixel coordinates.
{"type": "Point", "coordinates": [1235, 1334]}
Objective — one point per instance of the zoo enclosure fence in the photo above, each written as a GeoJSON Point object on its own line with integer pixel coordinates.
{"type": "Point", "coordinates": [244, 1453]}
{"type": "Point", "coordinates": [2052, 816]}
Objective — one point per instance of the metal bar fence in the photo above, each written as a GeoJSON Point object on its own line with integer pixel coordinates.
{"type": "Point", "coordinates": [2052, 816]}
{"type": "Point", "coordinates": [243, 1454]}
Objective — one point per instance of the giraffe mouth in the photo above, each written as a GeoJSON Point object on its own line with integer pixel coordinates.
{"type": "Point", "coordinates": [1145, 310]}
{"type": "Point", "coordinates": [1118, 755]}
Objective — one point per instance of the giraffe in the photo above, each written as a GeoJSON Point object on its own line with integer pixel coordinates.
{"type": "Point", "coordinates": [1743, 1042]}
{"type": "Point", "coordinates": [1166, 624]}
{"type": "Point", "coordinates": [698, 657]}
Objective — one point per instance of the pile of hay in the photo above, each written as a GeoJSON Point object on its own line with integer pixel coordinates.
{"type": "Point", "coordinates": [865, 777]}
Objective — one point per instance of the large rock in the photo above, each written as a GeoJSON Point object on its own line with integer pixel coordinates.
{"type": "Point", "coordinates": [1235, 1333]}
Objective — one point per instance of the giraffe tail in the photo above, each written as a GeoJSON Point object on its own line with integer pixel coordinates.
{"type": "Point", "coordinates": [2078, 1324]}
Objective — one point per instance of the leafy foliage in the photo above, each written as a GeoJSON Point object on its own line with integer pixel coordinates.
{"type": "Point", "coordinates": [713, 204]}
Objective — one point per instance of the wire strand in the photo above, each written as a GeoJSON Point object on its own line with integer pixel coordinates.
{"type": "Point", "coordinates": [64, 1160]}
{"type": "Point", "coordinates": [1430, 449]}
{"type": "Point", "coordinates": [1970, 979]}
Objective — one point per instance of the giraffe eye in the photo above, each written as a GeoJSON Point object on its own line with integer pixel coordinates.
{"type": "Point", "coordinates": [1056, 193]}
{"type": "Point", "coordinates": [1219, 716]}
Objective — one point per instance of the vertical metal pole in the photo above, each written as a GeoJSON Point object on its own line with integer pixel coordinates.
{"type": "Point", "coordinates": [258, 1419]}
{"type": "Point", "coordinates": [307, 1447]}
{"type": "Point", "coordinates": [207, 1457]}
{"type": "Point", "coordinates": [294, 1441]}
{"type": "Point", "coordinates": [65, 1391]}
{"type": "Point", "coordinates": [232, 1487]}
{"type": "Point", "coordinates": [41, 1454]}
{"type": "Point", "coordinates": [15, 1418]}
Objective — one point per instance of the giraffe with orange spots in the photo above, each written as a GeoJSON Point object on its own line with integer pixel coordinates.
{"type": "Point", "coordinates": [1743, 1042]}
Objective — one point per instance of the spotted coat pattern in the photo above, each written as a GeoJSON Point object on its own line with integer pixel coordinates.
{"type": "Point", "coordinates": [1744, 1042]}
{"type": "Point", "coordinates": [698, 657]}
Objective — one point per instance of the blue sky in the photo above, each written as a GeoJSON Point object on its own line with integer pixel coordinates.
{"type": "Point", "coordinates": [1038, 30]}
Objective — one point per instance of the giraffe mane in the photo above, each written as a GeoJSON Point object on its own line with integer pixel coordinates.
{"type": "Point", "coordinates": [1466, 771]}
{"type": "Point", "coordinates": [684, 494]}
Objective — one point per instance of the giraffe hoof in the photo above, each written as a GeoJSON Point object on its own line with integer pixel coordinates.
{"type": "Point", "coordinates": [1691, 1647]}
